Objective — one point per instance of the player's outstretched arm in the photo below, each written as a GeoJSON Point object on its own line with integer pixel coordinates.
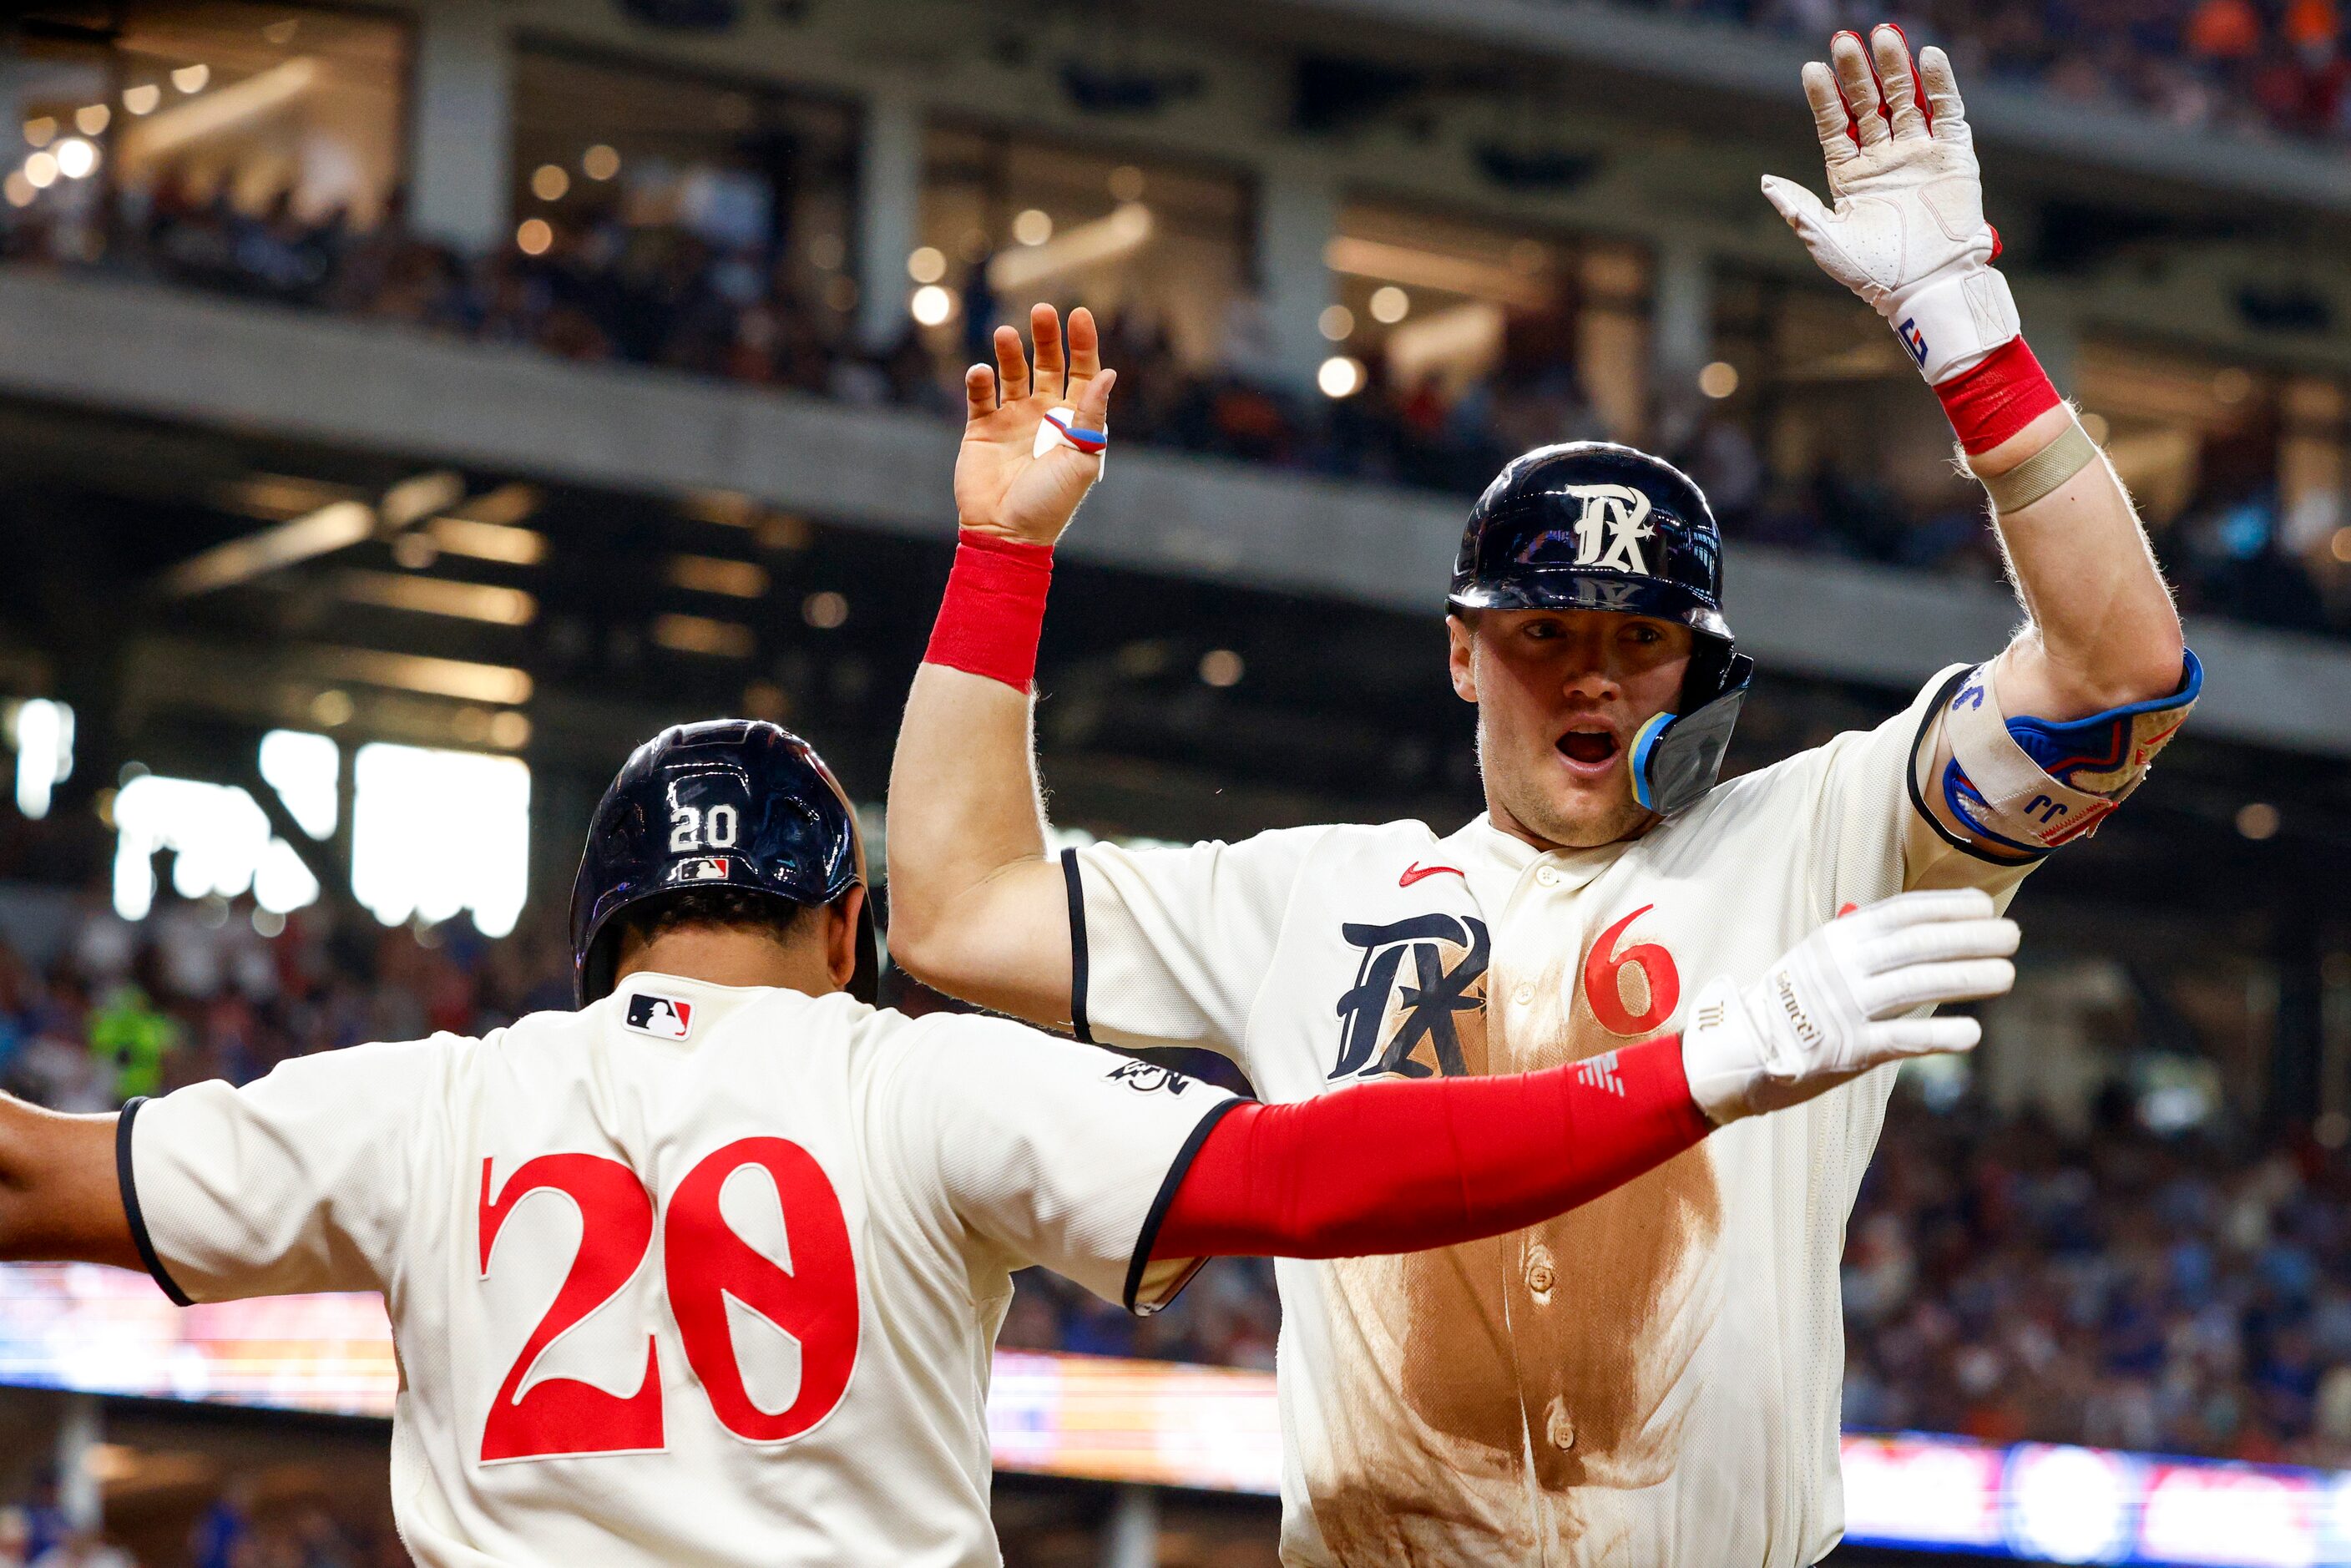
{"type": "Point", "coordinates": [976, 907]}
{"type": "Point", "coordinates": [59, 1199]}
{"type": "Point", "coordinates": [1906, 231]}
{"type": "Point", "coordinates": [1396, 1166]}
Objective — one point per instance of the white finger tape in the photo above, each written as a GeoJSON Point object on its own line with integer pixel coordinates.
{"type": "Point", "coordinates": [1054, 430]}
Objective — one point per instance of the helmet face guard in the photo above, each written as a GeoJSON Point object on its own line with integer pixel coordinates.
{"type": "Point", "coordinates": [1594, 526]}
{"type": "Point", "coordinates": [736, 803]}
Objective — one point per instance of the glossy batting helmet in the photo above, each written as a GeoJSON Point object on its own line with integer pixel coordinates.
{"type": "Point", "coordinates": [730, 802]}
{"type": "Point", "coordinates": [1590, 525]}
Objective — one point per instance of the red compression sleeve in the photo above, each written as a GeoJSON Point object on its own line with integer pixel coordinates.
{"type": "Point", "coordinates": [994, 610]}
{"type": "Point", "coordinates": [1396, 1165]}
{"type": "Point", "coordinates": [1995, 399]}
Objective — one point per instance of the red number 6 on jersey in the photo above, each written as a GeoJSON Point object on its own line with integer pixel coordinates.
{"type": "Point", "coordinates": [1604, 976]}
{"type": "Point", "coordinates": [703, 1262]}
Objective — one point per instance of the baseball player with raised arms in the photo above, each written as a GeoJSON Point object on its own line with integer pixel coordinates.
{"type": "Point", "coordinates": [1655, 1379]}
{"type": "Point", "coordinates": [709, 1271]}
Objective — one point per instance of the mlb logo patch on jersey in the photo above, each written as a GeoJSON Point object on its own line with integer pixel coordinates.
{"type": "Point", "coordinates": [663, 1018]}
{"type": "Point", "coordinates": [710, 868]}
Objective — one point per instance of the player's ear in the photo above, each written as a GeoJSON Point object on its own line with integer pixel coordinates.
{"type": "Point", "coordinates": [841, 936]}
{"type": "Point", "coordinates": [1461, 632]}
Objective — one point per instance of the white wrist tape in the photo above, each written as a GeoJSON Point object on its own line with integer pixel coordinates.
{"type": "Point", "coordinates": [1951, 324]}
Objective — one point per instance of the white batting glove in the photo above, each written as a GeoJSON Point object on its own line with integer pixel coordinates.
{"type": "Point", "coordinates": [1907, 232]}
{"type": "Point", "coordinates": [1834, 1007]}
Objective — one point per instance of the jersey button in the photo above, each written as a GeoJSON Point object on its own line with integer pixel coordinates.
{"type": "Point", "coordinates": [1547, 876]}
{"type": "Point", "coordinates": [1541, 1275]}
{"type": "Point", "coordinates": [1557, 1427]}
{"type": "Point", "coordinates": [1525, 995]}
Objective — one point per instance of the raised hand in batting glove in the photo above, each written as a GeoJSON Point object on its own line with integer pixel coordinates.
{"type": "Point", "coordinates": [1906, 231]}
{"type": "Point", "coordinates": [1835, 1006]}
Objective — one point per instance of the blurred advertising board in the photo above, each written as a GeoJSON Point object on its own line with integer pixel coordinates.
{"type": "Point", "coordinates": [101, 1331]}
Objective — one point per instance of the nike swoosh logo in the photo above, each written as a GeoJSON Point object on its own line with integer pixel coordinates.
{"type": "Point", "coordinates": [1417, 872]}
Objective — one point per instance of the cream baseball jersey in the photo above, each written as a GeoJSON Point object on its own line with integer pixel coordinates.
{"type": "Point", "coordinates": [696, 1275]}
{"type": "Point", "coordinates": [1655, 1377]}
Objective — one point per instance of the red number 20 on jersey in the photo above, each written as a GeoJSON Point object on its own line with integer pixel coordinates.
{"type": "Point", "coordinates": [703, 1262]}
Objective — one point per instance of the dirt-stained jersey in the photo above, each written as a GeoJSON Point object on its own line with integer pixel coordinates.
{"type": "Point", "coordinates": [698, 1275]}
{"type": "Point", "coordinates": [1653, 1379]}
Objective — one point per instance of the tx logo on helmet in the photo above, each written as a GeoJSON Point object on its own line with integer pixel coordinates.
{"type": "Point", "coordinates": [1614, 521]}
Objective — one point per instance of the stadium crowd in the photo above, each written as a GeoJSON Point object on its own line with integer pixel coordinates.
{"type": "Point", "coordinates": [2248, 67]}
{"type": "Point", "coordinates": [606, 290]}
{"type": "Point", "coordinates": [248, 1523]}
{"type": "Point", "coordinates": [2186, 1292]}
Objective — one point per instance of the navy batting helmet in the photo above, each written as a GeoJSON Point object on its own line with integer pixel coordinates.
{"type": "Point", "coordinates": [1590, 525]}
{"type": "Point", "coordinates": [730, 802]}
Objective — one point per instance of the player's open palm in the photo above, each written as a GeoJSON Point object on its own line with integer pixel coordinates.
{"type": "Point", "coordinates": [1904, 228]}
{"type": "Point", "coordinates": [1032, 445]}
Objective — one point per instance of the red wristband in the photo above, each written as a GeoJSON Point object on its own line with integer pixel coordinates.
{"type": "Point", "coordinates": [994, 610]}
{"type": "Point", "coordinates": [1997, 398]}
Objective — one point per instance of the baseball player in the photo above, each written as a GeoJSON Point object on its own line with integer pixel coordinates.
{"type": "Point", "coordinates": [1655, 1379]}
{"type": "Point", "coordinates": [709, 1271]}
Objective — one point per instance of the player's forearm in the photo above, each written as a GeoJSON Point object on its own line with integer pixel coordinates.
{"type": "Point", "coordinates": [1398, 1167]}
{"type": "Point", "coordinates": [59, 1200]}
{"type": "Point", "coordinates": [2102, 629]}
{"type": "Point", "coordinates": [976, 908]}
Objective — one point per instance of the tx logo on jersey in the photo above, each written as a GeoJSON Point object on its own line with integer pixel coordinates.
{"type": "Point", "coordinates": [1429, 996]}
{"type": "Point", "coordinates": [1145, 1078]}
{"type": "Point", "coordinates": [709, 868]}
{"type": "Point", "coordinates": [663, 1018]}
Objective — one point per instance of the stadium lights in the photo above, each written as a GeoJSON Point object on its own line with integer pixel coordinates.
{"type": "Point", "coordinates": [1341, 376]}
{"type": "Point", "coordinates": [434, 833]}
{"type": "Point", "coordinates": [927, 264]}
{"type": "Point", "coordinates": [232, 108]}
{"type": "Point", "coordinates": [40, 171]}
{"type": "Point", "coordinates": [933, 306]}
{"type": "Point", "coordinates": [497, 684]}
{"type": "Point", "coordinates": [42, 732]}
{"type": "Point", "coordinates": [701, 634]}
{"type": "Point", "coordinates": [438, 596]}
{"type": "Point", "coordinates": [716, 574]}
{"type": "Point", "coordinates": [1337, 323]}
{"type": "Point", "coordinates": [335, 526]}
{"type": "Point", "coordinates": [1033, 226]}
{"type": "Point", "coordinates": [303, 768]}
{"type": "Point", "coordinates": [40, 131]}
{"type": "Point", "coordinates": [1125, 230]}
{"type": "Point", "coordinates": [91, 119]}
{"type": "Point", "coordinates": [599, 162]}
{"type": "Point", "coordinates": [1390, 303]}
{"type": "Point", "coordinates": [191, 79]}
{"type": "Point", "coordinates": [1719, 380]}
{"type": "Point", "coordinates": [142, 98]}
{"type": "Point", "coordinates": [500, 542]}
{"type": "Point", "coordinates": [77, 159]}
{"type": "Point", "coordinates": [1415, 268]}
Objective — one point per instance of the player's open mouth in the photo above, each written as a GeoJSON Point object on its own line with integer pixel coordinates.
{"type": "Point", "coordinates": [1591, 750]}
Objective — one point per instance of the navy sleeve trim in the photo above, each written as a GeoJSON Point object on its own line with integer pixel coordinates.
{"type": "Point", "coordinates": [1967, 847]}
{"type": "Point", "coordinates": [1077, 976]}
{"type": "Point", "coordinates": [138, 1237]}
{"type": "Point", "coordinates": [1158, 1215]}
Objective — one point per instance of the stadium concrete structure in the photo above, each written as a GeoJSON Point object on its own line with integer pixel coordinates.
{"type": "Point", "coordinates": [227, 515]}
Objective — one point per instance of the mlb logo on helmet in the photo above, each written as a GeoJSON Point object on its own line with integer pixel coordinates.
{"type": "Point", "coordinates": [663, 1018]}
{"type": "Point", "coordinates": [1912, 338]}
{"type": "Point", "coordinates": [710, 868]}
